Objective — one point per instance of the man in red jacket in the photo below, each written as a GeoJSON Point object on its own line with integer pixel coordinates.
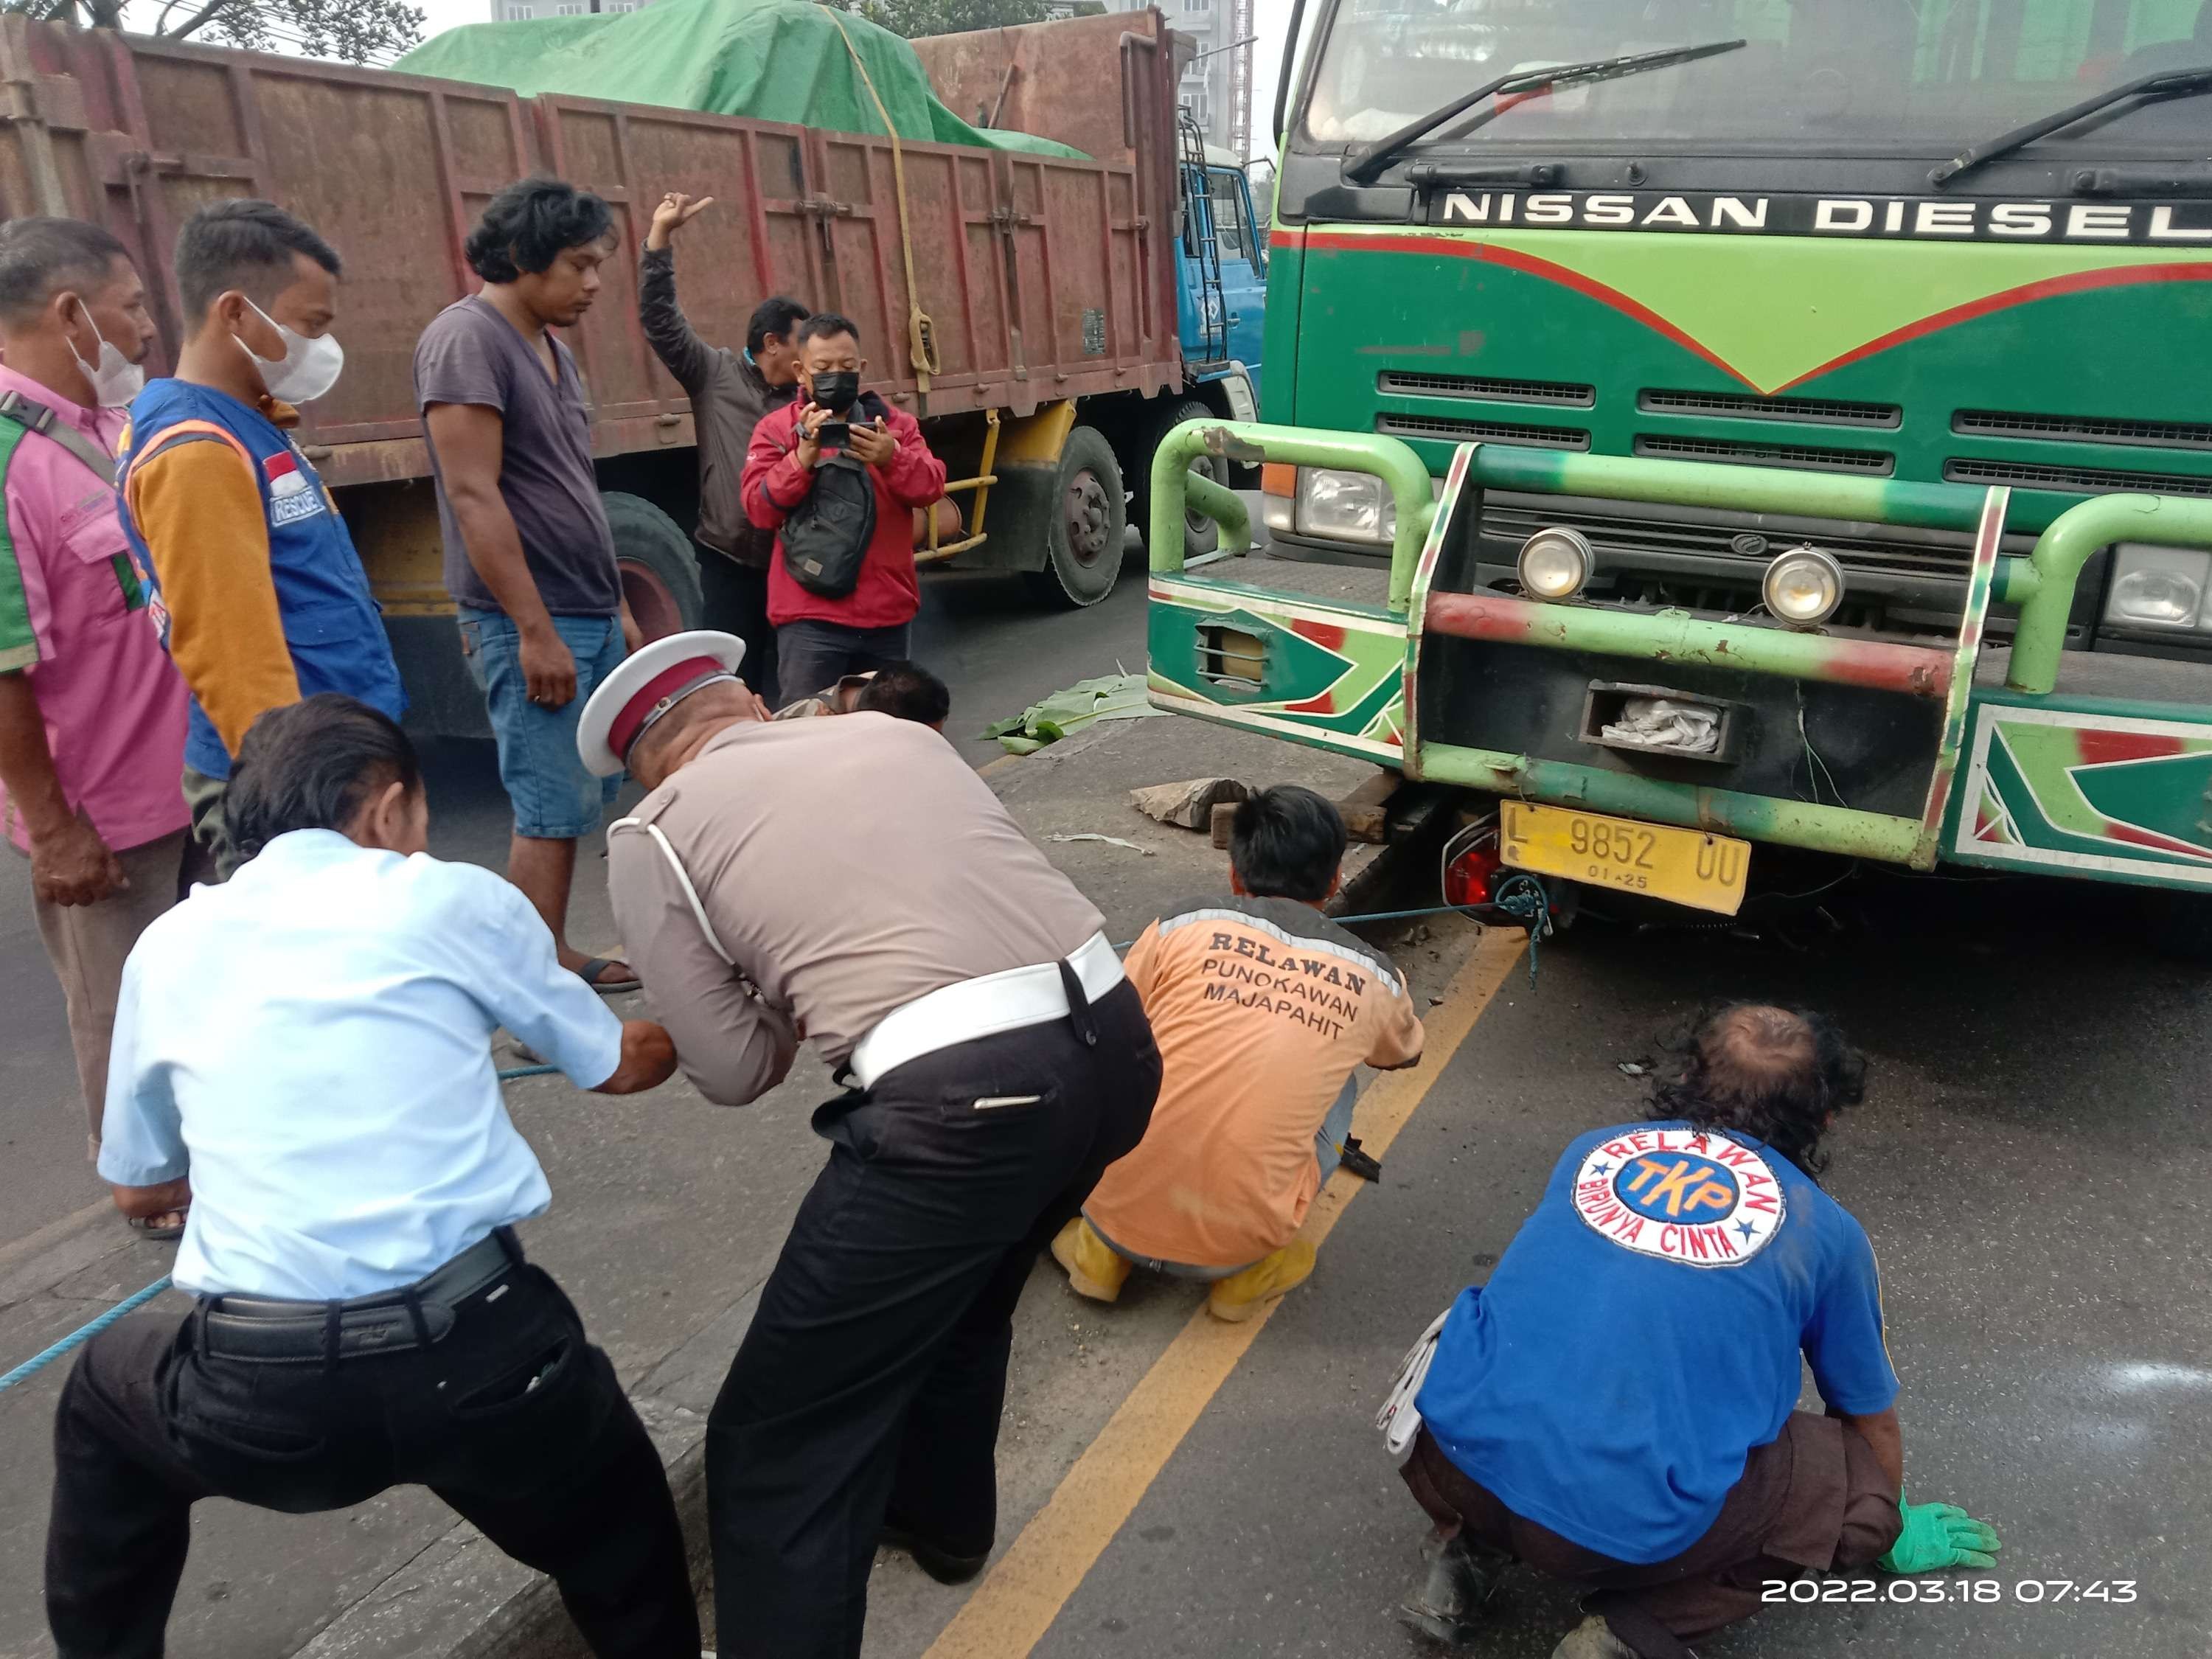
{"type": "Point", "coordinates": [821, 637]}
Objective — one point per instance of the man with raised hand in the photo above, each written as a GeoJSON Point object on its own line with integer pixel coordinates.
{"type": "Point", "coordinates": [730, 392]}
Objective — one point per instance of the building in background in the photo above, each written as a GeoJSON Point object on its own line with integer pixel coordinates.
{"type": "Point", "coordinates": [1216, 87]}
{"type": "Point", "coordinates": [517, 11]}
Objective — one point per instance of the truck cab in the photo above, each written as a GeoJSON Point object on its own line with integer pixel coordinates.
{"type": "Point", "coordinates": [1222, 265]}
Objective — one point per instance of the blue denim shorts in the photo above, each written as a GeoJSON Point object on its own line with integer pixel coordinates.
{"type": "Point", "coordinates": [554, 799]}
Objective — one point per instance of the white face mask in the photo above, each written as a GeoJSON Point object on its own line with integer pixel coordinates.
{"type": "Point", "coordinates": [117, 379]}
{"type": "Point", "coordinates": [307, 369]}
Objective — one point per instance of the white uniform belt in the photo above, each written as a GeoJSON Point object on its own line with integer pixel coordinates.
{"type": "Point", "coordinates": [981, 1007]}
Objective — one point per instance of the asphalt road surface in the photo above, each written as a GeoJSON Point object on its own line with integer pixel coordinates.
{"type": "Point", "coordinates": [2030, 1165]}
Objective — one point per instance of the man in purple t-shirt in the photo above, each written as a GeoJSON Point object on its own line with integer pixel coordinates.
{"type": "Point", "coordinates": [529, 558]}
{"type": "Point", "coordinates": [92, 712]}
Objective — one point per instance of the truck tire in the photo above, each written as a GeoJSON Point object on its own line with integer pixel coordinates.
{"type": "Point", "coordinates": [659, 576]}
{"type": "Point", "coordinates": [1086, 522]}
{"type": "Point", "coordinates": [1199, 533]}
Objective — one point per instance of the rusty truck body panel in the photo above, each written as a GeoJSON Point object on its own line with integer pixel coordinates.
{"type": "Point", "coordinates": [1045, 277]}
{"type": "Point", "coordinates": [1049, 281]}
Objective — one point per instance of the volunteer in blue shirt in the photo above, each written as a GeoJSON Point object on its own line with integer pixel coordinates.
{"type": "Point", "coordinates": [1617, 1406]}
{"type": "Point", "coordinates": [308, 1049]}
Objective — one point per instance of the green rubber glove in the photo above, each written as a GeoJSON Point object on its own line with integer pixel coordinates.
{"type": "Point", "coordinates": [1940, 1536]}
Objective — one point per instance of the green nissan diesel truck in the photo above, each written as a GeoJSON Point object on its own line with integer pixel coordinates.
{"type": "Point", "coordinates": [1724, 424]}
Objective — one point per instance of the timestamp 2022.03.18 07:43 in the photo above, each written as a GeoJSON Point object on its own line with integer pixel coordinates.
{"type": "Point", "coordinates": [1980, 1590]}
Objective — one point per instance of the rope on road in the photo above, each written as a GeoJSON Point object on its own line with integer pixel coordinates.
{"type": "Point", "coordinates": [1472, 912]}
{"type": "Point", "coordinates": [83, 1334]}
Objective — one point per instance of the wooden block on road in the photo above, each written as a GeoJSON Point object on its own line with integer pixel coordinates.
{"type": "Point", "coordinates": [1366, 810]}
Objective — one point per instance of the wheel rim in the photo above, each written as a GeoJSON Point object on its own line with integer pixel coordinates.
{"type": "Point", "coordinates": [651, 600]}
{"type": "Point", "coordinates": [1195, 523]}
{"type": "Point", "coordinates": [1084, 513]}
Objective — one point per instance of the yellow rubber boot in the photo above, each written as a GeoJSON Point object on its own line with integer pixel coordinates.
{"type": "Point", "coordinates": [1093, 1269]}
{"type": "Point", "coordinates": [1239, 1296]}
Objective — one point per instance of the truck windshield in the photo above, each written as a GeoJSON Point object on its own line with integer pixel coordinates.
{"type": "Point", "coordinates": [1884, 75]}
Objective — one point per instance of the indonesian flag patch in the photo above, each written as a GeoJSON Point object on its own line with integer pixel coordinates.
{"type": "Point", "coordinates": [293, 492]}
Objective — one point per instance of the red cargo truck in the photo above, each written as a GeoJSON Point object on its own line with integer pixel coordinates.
{"type": "Point", "coordinates": [1050, 282]}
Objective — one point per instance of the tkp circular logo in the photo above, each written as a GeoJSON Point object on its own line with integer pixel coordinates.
{"type": "Point", "coordinates": [1680, 1194]}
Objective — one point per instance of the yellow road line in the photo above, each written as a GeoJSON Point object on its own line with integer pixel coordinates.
{"type": "Point", "coordinates": [1019, 1599]}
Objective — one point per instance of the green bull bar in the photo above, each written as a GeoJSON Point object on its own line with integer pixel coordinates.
{"type": "Point", "coordinates": [2028, 800]}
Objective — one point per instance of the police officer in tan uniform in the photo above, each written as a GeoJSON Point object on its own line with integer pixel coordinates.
{"type": "Point", "coordinates": [853, 881]}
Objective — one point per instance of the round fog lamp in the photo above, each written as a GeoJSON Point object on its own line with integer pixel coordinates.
{"type": "Point", "coordinates": [1803, 586]}
{"type": "Point", "coordinates": [1554, 564]}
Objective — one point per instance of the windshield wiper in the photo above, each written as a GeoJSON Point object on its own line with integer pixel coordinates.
{"type": "Point", "coordinates": [1361, 167]}
{"type": "Point", "coordinates": [2170, 83]}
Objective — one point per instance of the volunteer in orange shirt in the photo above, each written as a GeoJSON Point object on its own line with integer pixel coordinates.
{"type": "Point", "coordinates": [1262, 1008]}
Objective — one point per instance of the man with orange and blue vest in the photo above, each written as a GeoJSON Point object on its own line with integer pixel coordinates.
{"type": "Point", "coordinates": [263, 601]}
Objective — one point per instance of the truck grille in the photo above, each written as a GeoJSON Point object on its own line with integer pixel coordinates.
{"type": "Point", "coordinates": [1743, 406]}
{"type": "Point", "coordinates": [1489, 432]}
{"type": "Point", "coordinates": [1867, 462]}
{"type": "Point", "coordinates": [1558, 393]}
{"type": "Point", "coordinates": [2079, 480]}
{"type": "Point", "coordinates": [1624, 536]}
{"type": "Point", "coordinates": [2081, 430]}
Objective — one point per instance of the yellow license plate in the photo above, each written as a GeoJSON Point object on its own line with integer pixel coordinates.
{"type": "Point", "coordinates": [1683, 867]}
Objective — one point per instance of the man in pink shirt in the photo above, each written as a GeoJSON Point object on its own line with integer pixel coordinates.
{"type": "Point", "coordinates": [92, 714]}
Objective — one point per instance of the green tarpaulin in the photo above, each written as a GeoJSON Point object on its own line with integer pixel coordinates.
{"type": "Point", "coordinates": [770, 60]}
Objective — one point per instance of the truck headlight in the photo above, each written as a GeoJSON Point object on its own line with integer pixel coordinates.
{"type": "Point", "coordinates": [1352, 507]}
{"type": "Point", "coordinates": [1554, 564]}
{"type": "Point", "coordinates": [1803, 586]}
{"type": "Point", "coordinates": [2163, 588]}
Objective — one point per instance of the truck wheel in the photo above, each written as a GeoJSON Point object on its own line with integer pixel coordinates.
{"type": "Point", "coordinates": [1199, 533]}
{"type": "Point", "coordinates": [659, 577]}
{"type": "Point", "coordinates": [1086, 523]}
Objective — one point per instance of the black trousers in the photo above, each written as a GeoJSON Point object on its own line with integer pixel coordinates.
{"type": "Point", "coordinates": [815, 655]}
{"type": "Point", "coordinates": [874, 1376]}
{"type": "Point", "coordinates": [735, 601]}
{"type": "Point", "coordinates": [515, 1419]}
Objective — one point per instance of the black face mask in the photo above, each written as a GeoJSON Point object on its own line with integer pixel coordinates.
{"type": "Point", "coordinates": [838, 390]}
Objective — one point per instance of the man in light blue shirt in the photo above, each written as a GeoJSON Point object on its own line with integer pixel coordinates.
{"type": "Point", "coordinates": [305, 1055]}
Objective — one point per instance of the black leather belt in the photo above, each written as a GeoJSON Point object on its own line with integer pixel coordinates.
{"type": "Point", "coordinates": [415, 1316]}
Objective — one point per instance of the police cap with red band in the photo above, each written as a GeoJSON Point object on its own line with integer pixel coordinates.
{"type": "Point", "coordinates": [647, 685]}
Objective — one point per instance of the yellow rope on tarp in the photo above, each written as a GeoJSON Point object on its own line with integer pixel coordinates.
{"type": "Point", "coordinates": [921, 332]}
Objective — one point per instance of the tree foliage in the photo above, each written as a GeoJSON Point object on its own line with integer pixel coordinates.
{"type": "Point", "coordinates": [353, 31]}
{"type": "Point", "coordinates": [915, 18]}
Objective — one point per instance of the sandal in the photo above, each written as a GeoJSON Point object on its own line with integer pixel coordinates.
{"type": "Point", "coordinates": [155, 1230]}
{"type": "Point", "coordinates": [594, 972]}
